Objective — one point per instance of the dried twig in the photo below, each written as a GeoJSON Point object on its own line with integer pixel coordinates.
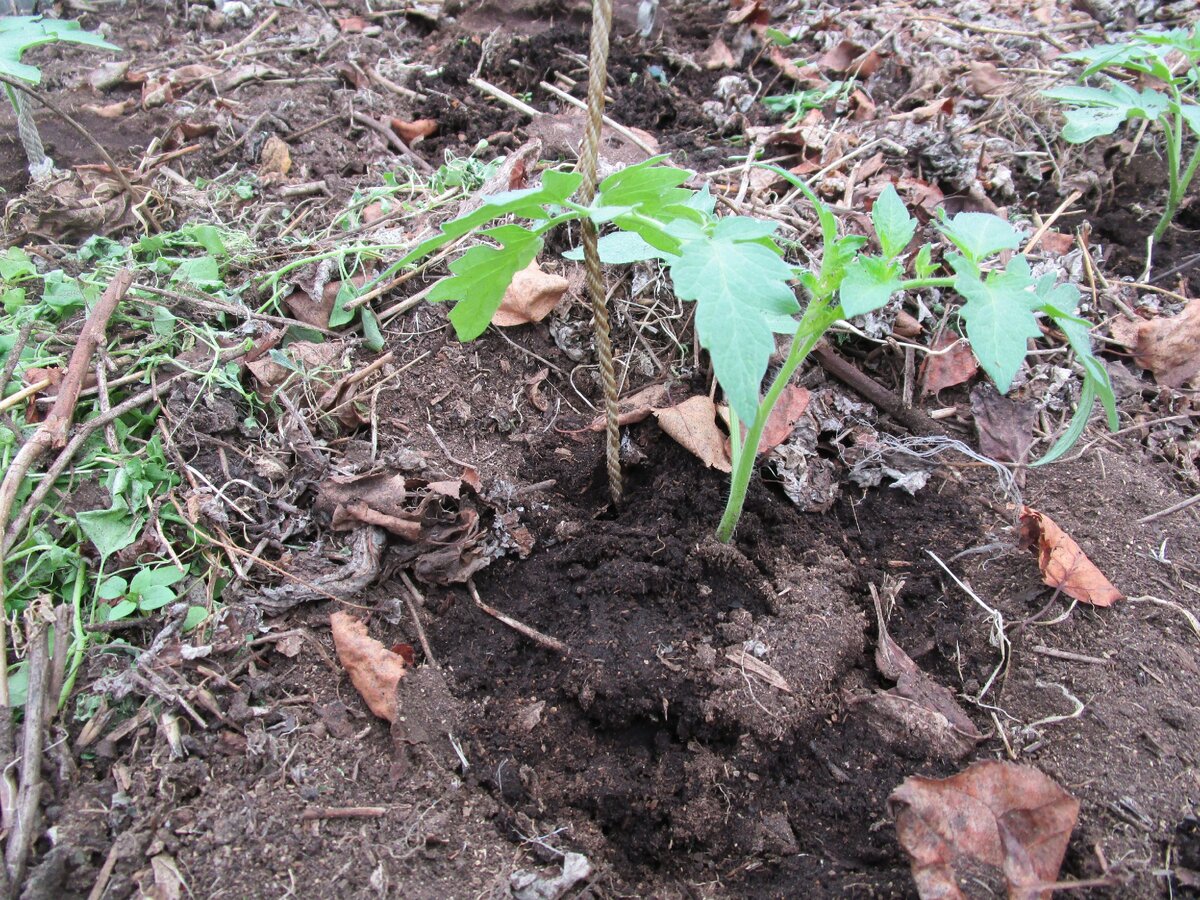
{"type": "Point", "coordinates": [30, 791]}
{"type": "Point", "coordinates": [533, 634]}
{"type": "Point", "coordinates": [394, 141]}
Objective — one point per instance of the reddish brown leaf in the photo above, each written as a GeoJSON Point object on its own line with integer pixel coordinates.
{"type": "Point", "coordinates": [352, 25]}
{"type": "Point", "coordinates": [1168, 346]}
{"type": "Point", "coordinates": [717, 56]}
{"type": "Point", "coordinates": [952, 363]}
{"type": "Point", "coordinates": [411, 132]}
{"type": "Point", "coordinates": [806, 76]}
{"type": "Point", "coordinates": [1055, 243]}
{"type": "Point", "coordinates": [373, 668]}
{"type": "Point", "coordinates": [693, 425]}
{"type": "Point", "coordinates": [906, 326]}
{"type": "Point", "coordinates": [783, 418]}
{"type": "Point", "coordinates": [1001, 814]}
{"type": "Point", "coordinates": [530, 297]}
{"type": "Point", "coordinates": [850, 57]}
{"type": "Point", "coordinates": [1063, 563]}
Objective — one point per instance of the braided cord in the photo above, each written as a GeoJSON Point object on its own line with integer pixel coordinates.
{"type": "Point", "coordinates": [589, 159]}
{"type": "Point", "coordinates": [27, 131]}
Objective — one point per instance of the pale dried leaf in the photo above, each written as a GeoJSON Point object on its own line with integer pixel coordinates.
{"type": "Point", "coordinates": [373, 668]}
{"type": "Point", "coordinates": [276, 158]}
{"type": "Point", "coordinates": [1168, 347]}
{"type": "Point", "coordinates": [531, 297]}
{"type": "Point", "coordinates": [693, 425]}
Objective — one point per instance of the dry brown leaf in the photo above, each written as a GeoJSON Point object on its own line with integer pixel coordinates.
{"type": "Point", "coordinates": [693, 425]}
{"type": "Point", "coordinates": [185, 76]}
{"type": "Point", "coordinates": [1004, 425]}
{"type": "Point", "coordinates": [108, 75]}
{"type": "Point", "coordinates": [717, 56]}
{"type": "Point", "coordinates": [1063, 563]}
{"type": "Point", "coordinates": [906, 326]}
{"type": "Point", "coordinates": [1055, 243]}
{"type": "Point", "coordinates": [1168, 347]}
{"type": "Point", "coordinates": [352, 25]}
{"type": "Point", "coordinates": [848, 56]}
{"type": "Point", "coordinates": [634, 408]}
{"type": "Point", "coordinates": [276, 158]}
{"type": "Point", "coordinates": [946, 369]}
{"type": "Point", "coordinates": [411, 132]}
{"type": "Point", "coordinates": [985, 79]}
{"type": "Point", "coordinates": [531, 297]}
{"type": "Point", "coordinates": [784, 416]}
{"type": "Point", "coordinates": [806, 76]}
{"type": "Point", "coordinates": [112, 110]}
{"type": "Point", "coordinates": [1001, 814]}
{"type": "Point", "coordinates": [373, 668]}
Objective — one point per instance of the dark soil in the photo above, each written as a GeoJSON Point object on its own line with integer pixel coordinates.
{"type": "Point", "coordinates": [655, 746]}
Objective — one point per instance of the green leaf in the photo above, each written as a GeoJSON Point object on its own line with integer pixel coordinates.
{"type": "Point", "coordinates": [339, 315]}
{"type": "Point", "coordinates": [1191, 114]}
{"type": "Point", "coordinates": [109, 530]}
{"type": "Point", "coordinates": [112, 587]}
{"type": "Point", "coordinates": [999, 319]}
{"type": "Point", "coordinates": [202, 272]}
{"type": "Point", "coordinates": [979, 235]}
{"type": "Point", "coordinates": [556, 188]}
{"type": "Point", "coordinates": [923, 265]}
{"type": "Point", "coordinates": [64, 294]}
{"type": "Point", "coordinates": [646, 187]}
{"type": "Point", "coordinates": [155, 598]}
{"type": "Point", "coordinates": [1100, 111]}
{"type": "Point", "coordinates": [621, 248]}
{"type": "Point", "coordinates": [893, 225]}
{"type": "Point", "coordinates": [742, 297]}
{"type": "Point", "coordinates": [482, 275]}
{"type": "Point", "coordinates": [15, 265]}
{"type": "Point", "coordinates": [868, 284]}
{"type": "Point", "coordinates": [20, 33]}
{"type": "Point", "coordinates": [1079, 421]}
{"type": "Point", "coordinates": [163, 322]}
{"type": "Point", "coordinates": [146, 579]}
{"type": "Point", "coordinates": [372, 336]}
{"type": "Point", "coordinates": [122, 610]}
{"type": "Point", "coordinates": [195, 615]}
{"type": "Point", "coordinates": [209, 237]}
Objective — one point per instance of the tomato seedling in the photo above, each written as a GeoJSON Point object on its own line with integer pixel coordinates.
{"type": "Point", "coordinates": [736, 272]}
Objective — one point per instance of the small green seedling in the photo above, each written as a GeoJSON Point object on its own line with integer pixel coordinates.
{"type": "Point", "coordinates": [21, 33]}
{"type": "Point", "coordinates": [148, 590]}
{"type": "Point", "coordinates": [1170, 101]}
{"type": "Point", "coordinates": [735, 271]}
{"type": "Point", "coordinates": [795, 105]}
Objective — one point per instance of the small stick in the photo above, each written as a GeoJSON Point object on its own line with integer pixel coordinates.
{"type": "Point", "coordinates": [912, 419]}
{"type": "Point", "coordinates": [412, 608]}
{"type": "Point", "coordinates": [1073, 657]}
{"type": "Point", "coordinates": [14, 355]}
{"type": "Point", "coordinates": [503, 96]}
{"type": "Point", "coordinates": [25, 393]}
{"type": "Point", "coordinates": [394, 141]}
{"type": "Point", "coordinates": [30, 792]}
{"type": "Point", "coordinates": [1162, 513]}
{"type": "Point", "coordinates": [248, 39]}
{"type": "Point", "coordinates": [616, 126]}
{"type": "Point", "coordinates": [343, 812]}
{"type": "Point", "coordinates": [533, 634]}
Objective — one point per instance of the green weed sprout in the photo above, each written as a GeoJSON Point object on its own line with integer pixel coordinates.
{"type": "Point", "coordinates": [18, 34]}
{"type": "Point", "coordinates": [1096, 111]}
{"type": "Point", "coordinates": [733, 268]}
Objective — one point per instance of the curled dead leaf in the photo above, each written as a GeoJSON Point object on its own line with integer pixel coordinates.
{"type": "Point", "coordinates": [530, 297]}
{"type": "Point", "coordinates": [1008, 816]}
{"type": "Point", "coordinates": [693, 425]}
{"type": "Point", "coordinates": [985, 79]}
{"type": "Point", "coordinates": [951, 363]}
{"type": "Point", "coordinates": [1168, 346]}
{"type": "Point", "coordinates": [784, 416]}
{"type": "Point", "coordinates": [411, 132]}
{"type": "Point", "coordinates": [374, 669]}
{"type": "Point", "coordinates": [112, 110]}
{"type": "Point", "coordinates": [1063, 563]}
{"type": "Point", "coordinates": [276, 159]}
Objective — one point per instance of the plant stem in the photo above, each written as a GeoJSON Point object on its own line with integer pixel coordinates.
{"type": "Point", "coordinates": [815, 322]}
{"type": "Point", "coordinates": [1174, 133]}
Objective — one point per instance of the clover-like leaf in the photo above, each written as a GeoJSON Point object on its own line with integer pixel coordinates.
{"type": "Point", "coordinates": [893, 225]}
{"type": "Point", "coordinates": [999, 318]}
{"type": "Point", "coordinates": [868, 284]}
{"type": "Point", "coordinates": [482, 275]}
{"type": "Point", "coordinates": [742, 298]}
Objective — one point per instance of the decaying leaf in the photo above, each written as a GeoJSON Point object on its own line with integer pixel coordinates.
{"type": "Point", "coordinates": [1004, 425]}
{"type": "Point", "coordinates": [530, 297]}
{"type": "Point", "coordinates": [717, 56]}
{"type": "Point", "coordinates": [373, 668]}
{"type": "Point", "coordinates": [918, 712]}
{"type": "Point", "coordinates": [411, 132]}
{"type": "Point", "coordinates": [952, 364]}
{"type": "Point", "coordinates": [1007, 816]}
{"type": "Point", "coordinates": [1168, 347]}
{"type": "Point", "coordinates": [276, 159]}
{"type": "Point", "coordinates": [985, 79]}
{"type": "Point", "coordinates": [693, 425]}
{"type": "Point", "coordinates": [112, 110]}
{"type": "Point", "coordinates": [1063, 563]}
{"type": "Point", "coordinates": [848, 56]}
{"type": "Point", "coordinates": [784, 416]}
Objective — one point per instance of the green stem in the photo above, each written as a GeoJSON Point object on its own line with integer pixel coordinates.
{"type": "Point", "coordinates": [79, 644]}
{"type": "Point", "coordinates": [916, 284]}
{"type": "Point", "coordinates": [816, 321]}
{"type": "Point", "coordinates": [1174, 133]}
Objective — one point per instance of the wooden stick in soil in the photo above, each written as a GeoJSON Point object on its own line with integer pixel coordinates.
{"type": "Point", "coordinates": [589, 160]}
{"type": "Point", "coordinates": [29, 793]}
{"type": "Point", "coordinates": [870, 390]}
{"type": "Point", "coordinates": [543, 640]}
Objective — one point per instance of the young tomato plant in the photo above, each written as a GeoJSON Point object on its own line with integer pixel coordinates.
{"type": "Point", "coordinates": [735, 271]}
{"type": "Point", "coordinates": [1096, 111]}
